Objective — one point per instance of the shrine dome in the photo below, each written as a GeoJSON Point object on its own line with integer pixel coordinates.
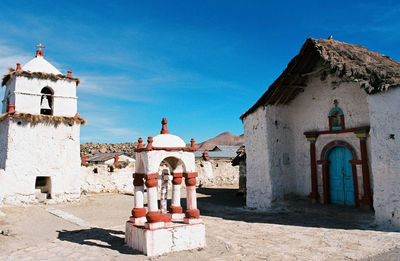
{"type": "Point", "coordinates": [167, 140]}
{"type": "Point", "coordinates": [39, 64]}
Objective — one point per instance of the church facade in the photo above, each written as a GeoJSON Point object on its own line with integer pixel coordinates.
{"type": "Point", "coordinates": [328, 128]}
{"type": "Point", "coordinates": [39, 134]}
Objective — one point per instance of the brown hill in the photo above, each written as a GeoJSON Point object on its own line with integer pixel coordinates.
{"type": "Point", "coordinates": [224, 139]}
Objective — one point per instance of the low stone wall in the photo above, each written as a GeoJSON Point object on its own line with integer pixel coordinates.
{"type": "Point", "coordinates": [89, 149]}
{"type": "Point", "coordinates": [218, 172]}
{"type": "Point", "coordinates": [100, 178]}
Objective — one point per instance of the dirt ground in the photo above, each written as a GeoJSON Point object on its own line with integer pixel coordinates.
{"type": "Point", "coordinates": [93, 229]}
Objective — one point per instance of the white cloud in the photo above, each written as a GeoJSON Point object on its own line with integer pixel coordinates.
{"type": "Point", "coordinates": [10, 56]}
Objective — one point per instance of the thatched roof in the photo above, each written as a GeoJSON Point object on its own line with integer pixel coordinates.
{"type": "Point", "coordinates": [351, 63]}
{"type": "Point", "coordinates": [40, 118]}
{"type": "Point", "coordinates": [40, 75]}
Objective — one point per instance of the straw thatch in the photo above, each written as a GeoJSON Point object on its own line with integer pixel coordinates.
{"type": "Point", "coordinates": [40, 118]}
{"type": "Point", "coordinates": [39, 75]}
{"type": "Point", "coordinates": [348, 62]}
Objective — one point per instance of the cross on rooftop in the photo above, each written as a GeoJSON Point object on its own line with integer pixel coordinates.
{"type": "Point", "coordinates": [40, 46]}
{"type": "Point", "coordinates": [39, 52]}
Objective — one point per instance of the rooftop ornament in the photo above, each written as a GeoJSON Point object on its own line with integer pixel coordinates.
{"type": "Point", "coordinates": [39, 52]}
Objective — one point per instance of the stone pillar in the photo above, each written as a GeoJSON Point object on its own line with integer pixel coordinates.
{"type": "Point", "coordinates": [175, 208]}
{"type": "Point", "coordinates": [138, 212]}
{"type": "Point", "coordinates": [366, 198]}
{"type": "Point", "coordinates": [155, 219]}
{"type": "Point", "coordinates": [313, 165]}
{"type": "Point", "coordinates": [192, 214]}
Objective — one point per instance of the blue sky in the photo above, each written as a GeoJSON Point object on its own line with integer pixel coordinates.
{"type": "Point", "coordinates": [201, 64]}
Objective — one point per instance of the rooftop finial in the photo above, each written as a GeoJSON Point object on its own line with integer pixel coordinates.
{"type": "Point", "coordinates": [164, 129]}
{"type": "Point", "coordinates": [39, 52]}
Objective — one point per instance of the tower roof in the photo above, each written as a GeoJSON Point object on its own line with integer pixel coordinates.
{"type": "Point", "coordinates": [39, 64]}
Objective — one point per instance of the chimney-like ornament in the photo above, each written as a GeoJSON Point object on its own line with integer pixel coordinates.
{"type": "Point", "coordinates": [69, 74]}
{"type": "Point", "coordinates": [164, 129]}
{"type": "Point", "coordinates": [116, 159]}
{"type": "Point", "coordinates": [140, 144]}
{"type": "Point", "coordinates": [39, 52]}
{"type": "Point", "coordinates": [149, 143]}
{"type": "Point", "coordinates": [11, 108]}
{"type": "Point", "coordinates": [19, 67]}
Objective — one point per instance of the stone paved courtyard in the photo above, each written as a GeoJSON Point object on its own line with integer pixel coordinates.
{"type": "Point", "coordinates": [93, 229]}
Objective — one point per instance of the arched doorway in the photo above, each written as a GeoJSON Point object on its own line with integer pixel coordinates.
{"type": "Point", "coordinates": [341, 185]}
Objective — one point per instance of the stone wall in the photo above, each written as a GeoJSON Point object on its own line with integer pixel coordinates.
{"type": "Point", "coordinates": [89, 149]}
{"type": "Point", "coordinates": [219, 172]}
{"type": "Point", "coordinates": [100, 178]}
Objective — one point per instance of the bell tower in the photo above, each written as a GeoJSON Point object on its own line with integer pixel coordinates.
{"type": "Point", "coordinates": [39, 134]}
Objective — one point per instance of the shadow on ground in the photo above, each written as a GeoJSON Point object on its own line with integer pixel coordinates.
{"type": "Point", "coordinates": [99, 237]}
{"type": "Point", "coordinates": [224, 203]}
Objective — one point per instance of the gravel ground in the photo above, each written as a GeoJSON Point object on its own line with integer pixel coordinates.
{"type": "Point", "coordinates": [93, 229]}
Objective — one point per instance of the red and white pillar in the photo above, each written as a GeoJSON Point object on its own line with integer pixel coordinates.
{"type": "Point", "coordinates": [175, 209]}
{"type": "Point", "coordinates": [192, 214]}
{"type": "Point", "coordinates": [138, 212]}
{"type": "Point", "coordinates": [155, 219]}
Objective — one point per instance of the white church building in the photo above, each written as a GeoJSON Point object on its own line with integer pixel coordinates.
{"type": "Point", "coordinates": [328, 128]}
{"type": "Point", "coordinates": [39, 134]}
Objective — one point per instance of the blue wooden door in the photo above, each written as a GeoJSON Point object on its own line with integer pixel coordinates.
{"type": "Point", "coordinates": [341, 176]}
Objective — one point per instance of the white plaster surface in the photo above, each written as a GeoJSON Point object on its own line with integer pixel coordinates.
{"type": "Point", "coordinates": [149, 161]}
{"type": "Point", "coordinates": [385, 155]}
{"type": "Point", "coordinates": [39, 64]}
{"type": "Point", "coordinates": [219, 172]}
{"type": "Point", "coordinates": [40, 150]}
{"type": "Point", "coordinates": [28, 95]}
{"type": "Point", "coordinates": [272, 131]}
{"type": "Point", "coordinates": [120, 180]}
{"type": "Point", "coordinates": [173, 237]}
{"type": "Point", "coordinates": [168, 140]}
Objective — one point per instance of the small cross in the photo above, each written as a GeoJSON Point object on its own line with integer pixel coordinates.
{"type": "Point", "coordinates": [40, 46]}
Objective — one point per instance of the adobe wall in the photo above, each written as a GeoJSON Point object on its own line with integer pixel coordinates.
{"type": "Point", "coordinates": [278, 153]}
{"type": "Point", "coordinates": [264, 171]}
{"type": "Point", "coordinates": [218, 172]}
{"type": "Point", "coordinates": [385, 157]}
{"type": "Point", "coordinates": [41, 150]}
{"type": "Point", "coordinates": [28, 96]}
{"type": "Point", "coordinates": [105, 180]}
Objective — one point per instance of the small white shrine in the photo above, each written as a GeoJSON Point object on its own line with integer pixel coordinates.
{"type": "Point", "coordinates": [156, 231]}
{"type": "Point", "coordinates": [39, 134]}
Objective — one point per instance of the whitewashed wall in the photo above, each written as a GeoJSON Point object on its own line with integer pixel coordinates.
{"type": "Point", "coordinates": [53, 152]}
{"type": "Point", "coordinates": [264, 180]}
{"type": "Point", "coordinates": [119, 180]}
{"type": "Point", "coordinates": [273, 131]}
{"type": "Point", "coordinates": [28, 97]}
{"type": "Point", "coordinates": [149, 161]}
{"type": "Point", "coordinates": [218, 172]}
{"type": "Point", "coordinates": [385, 155]}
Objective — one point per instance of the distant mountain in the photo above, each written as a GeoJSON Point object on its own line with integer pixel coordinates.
{"type": "Point", "coordinates": [224, 139]}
